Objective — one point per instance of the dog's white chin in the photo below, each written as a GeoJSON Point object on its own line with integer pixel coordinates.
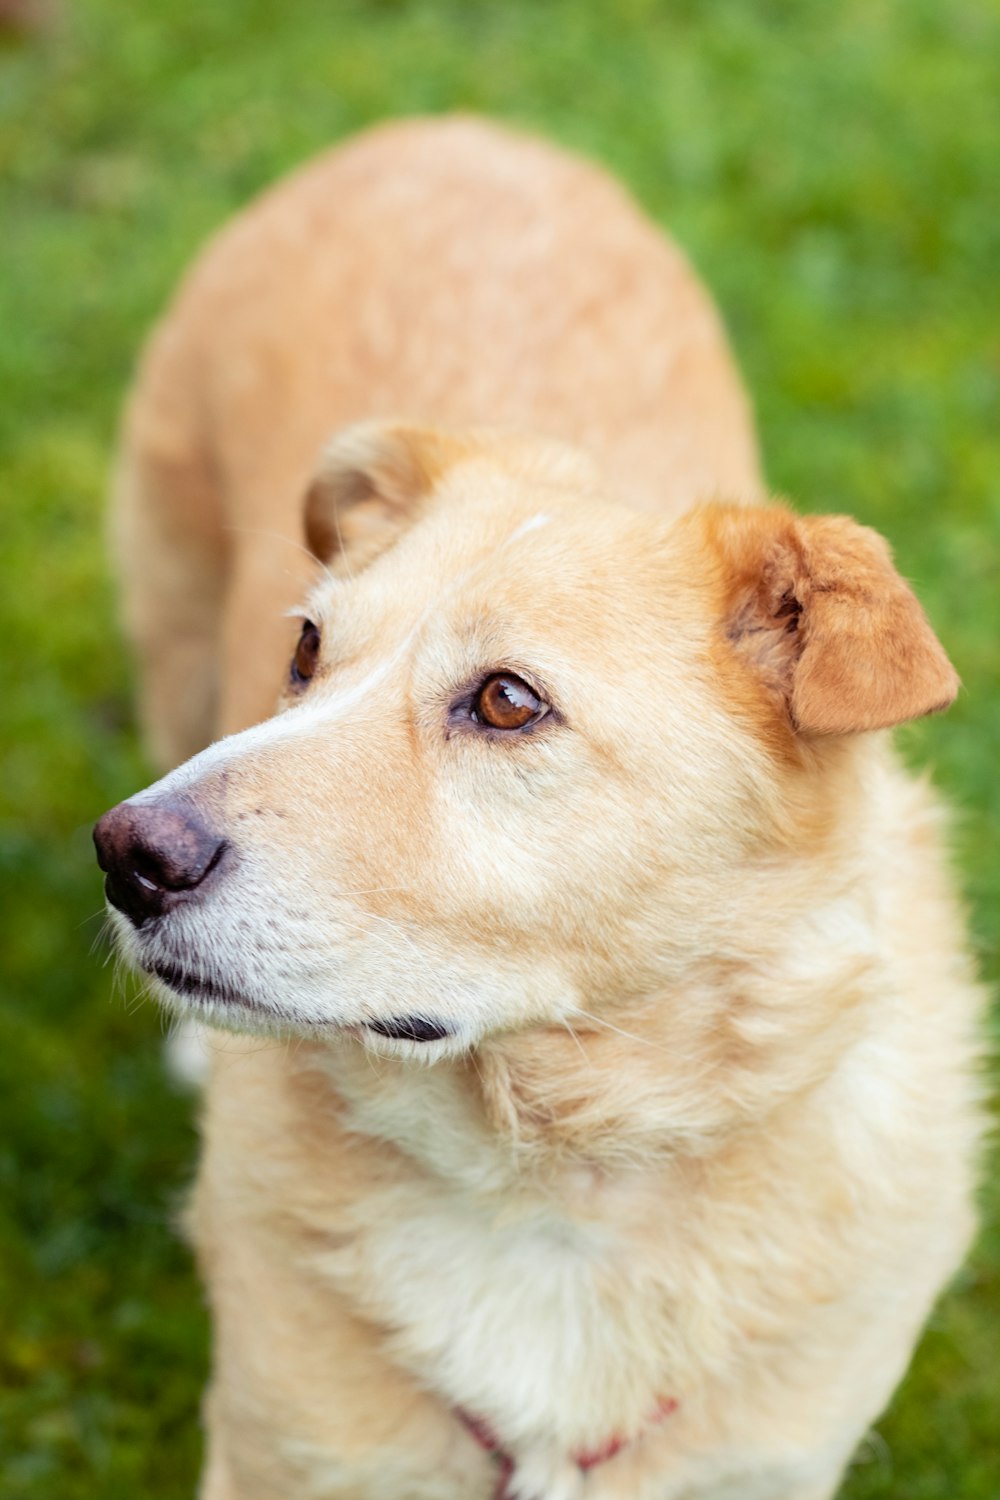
{"type": "Point", "coordinates": [192, 1043]}
{"type": "Point", "coordinates": [238, 1013]}
{"type": "Point", "coordinates": [235, 1011]}
{"type": "Point", "coordinates": [201, 991]}
{"type": "Point", "coordinates": [421, 1052]}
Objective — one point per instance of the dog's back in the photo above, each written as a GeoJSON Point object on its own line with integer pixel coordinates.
{"type": "Point", "coordinates": [437, 270]}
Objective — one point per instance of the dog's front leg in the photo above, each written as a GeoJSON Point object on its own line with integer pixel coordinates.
{"type": "Point", "coordinates": [216, 1480]}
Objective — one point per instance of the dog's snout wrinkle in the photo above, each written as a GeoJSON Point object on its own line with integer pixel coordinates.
{"type": "Point", "coordinates": [154, 855]}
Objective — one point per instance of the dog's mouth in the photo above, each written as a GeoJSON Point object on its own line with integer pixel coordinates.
{"type": "Point", "coordinates": [202, 988]}
{"type": "Point", "coordinates": [199, 986]}
{"type": "Point", "coordinates": [410, 1029]}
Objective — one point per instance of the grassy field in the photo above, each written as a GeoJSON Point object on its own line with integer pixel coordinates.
{"type": "Point", "coordinates": [832, 169]}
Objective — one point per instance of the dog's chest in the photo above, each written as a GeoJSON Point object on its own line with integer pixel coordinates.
{"type": "Point", "coordinates": [543, 1308]}
{"type": "Point", "coordinates": [525, 1314]}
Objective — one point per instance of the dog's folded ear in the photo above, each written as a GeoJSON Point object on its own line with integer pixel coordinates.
{"type": "Point", "coordinates": [374, 476]}
{"type": "Point", "coordinates": [369, 483]}
{"type": "Point", "coordinates": [815, 608]}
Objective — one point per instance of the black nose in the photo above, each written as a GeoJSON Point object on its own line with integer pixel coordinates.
{"type": "Point", "coordinates": [154, 855]}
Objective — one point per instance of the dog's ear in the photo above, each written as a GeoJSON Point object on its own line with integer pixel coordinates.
{"type": "Point", "coordinates": [814, 606]}
{"type": "Point", "coordinates": [369, 483]}
{"type": "Point", "coordinates": [373, 477]}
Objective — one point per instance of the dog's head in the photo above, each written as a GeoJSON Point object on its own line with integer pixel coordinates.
{"type": "Point", "coordinates": [532, 750]}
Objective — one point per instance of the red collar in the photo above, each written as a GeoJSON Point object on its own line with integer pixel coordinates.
{"type": "Point", "coordinates": [584, 1458]}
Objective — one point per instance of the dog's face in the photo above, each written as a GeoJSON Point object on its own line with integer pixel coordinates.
{"type": "Point", "coordinates": [530, 746]}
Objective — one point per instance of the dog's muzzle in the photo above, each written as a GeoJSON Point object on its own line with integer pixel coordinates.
{"type": "Point", "coordinates": [156, 855]}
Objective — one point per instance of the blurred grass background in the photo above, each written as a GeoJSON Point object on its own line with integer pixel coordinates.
{"type": "Point", "coordinates": [834, 170]}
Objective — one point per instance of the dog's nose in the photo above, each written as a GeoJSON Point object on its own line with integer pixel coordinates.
{"type": "Point", "coordinates": [154, 855]}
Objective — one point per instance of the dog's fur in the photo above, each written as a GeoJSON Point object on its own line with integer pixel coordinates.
{"type": "Point", "coordinates": [696, 1154]}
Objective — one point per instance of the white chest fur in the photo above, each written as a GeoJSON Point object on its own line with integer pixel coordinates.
{"type": "Point", "coordinates": [528, 1306]}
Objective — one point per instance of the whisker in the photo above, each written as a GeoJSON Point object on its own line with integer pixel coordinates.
{"type": "Point", "coordinates": [97, 941]}
{"type": "Point", "coordinates": [288, 541]}
{"type": "Point", "coordinates": [393, 927]}
{"type": "Point", "coordinates": [580, 1047]}
{"type": "Point", "coordinates": [340, 545]}
{"type": "Point", "coordinates": [630, 1036]}
{"type": "Point", "coordinates": [376, 890]}
{"type": "Point", "coordinates": [373, 1060]}
{"type": "Point", "coordinates": [92, 917]}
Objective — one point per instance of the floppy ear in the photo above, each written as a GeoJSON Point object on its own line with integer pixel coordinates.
{"type": "Point", "coordinates": [814, 605]}
{"type": "Point", "coordinates": [369, 483]}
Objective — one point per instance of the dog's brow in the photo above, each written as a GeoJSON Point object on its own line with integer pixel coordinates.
{"type": "Point", "coordinates": [316, 601]}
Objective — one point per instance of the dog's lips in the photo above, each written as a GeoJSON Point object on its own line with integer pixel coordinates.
{"type": "Point", "coordinates": [410, 1029]}
{"type": "Point", "coordinates": [198, 986]}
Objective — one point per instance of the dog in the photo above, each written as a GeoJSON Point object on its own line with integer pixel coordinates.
{"type": "Point", "coordinates": [601, 1117]}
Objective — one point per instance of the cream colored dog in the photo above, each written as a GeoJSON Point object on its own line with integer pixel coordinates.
{"type": "Point", "coordinates": [609, 1126]}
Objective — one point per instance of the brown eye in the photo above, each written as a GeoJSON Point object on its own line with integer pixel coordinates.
{"type": "Point", "coordinates": [507, 702]}
{"type": "Point", "coordinates": [306, 654]}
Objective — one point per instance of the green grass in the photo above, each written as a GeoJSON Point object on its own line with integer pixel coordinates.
{"type": "Point", "coordinates": [831, 168]}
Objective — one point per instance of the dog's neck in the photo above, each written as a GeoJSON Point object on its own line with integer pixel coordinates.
{"type": "Point", "coordinates": [674, 1074]}
{"type": "Point", "coordinates": [733, 1037]}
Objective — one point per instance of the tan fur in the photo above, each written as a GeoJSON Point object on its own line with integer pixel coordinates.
{"type": "Point", "coordinates": [704, 1127]}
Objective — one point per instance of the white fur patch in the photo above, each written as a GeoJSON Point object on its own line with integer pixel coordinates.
{"type": "Point", "coordinates": [316, 711]}
{"type": "Point", "coordinates": [533, 524]}
{"type": "Point", "coordinates": [187, 1053]}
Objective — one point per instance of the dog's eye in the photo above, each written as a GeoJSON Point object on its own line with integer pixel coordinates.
{"type": "Point", "coordinates": [507, 702]}
{"type": "Point", "coordinates": [306, 654]}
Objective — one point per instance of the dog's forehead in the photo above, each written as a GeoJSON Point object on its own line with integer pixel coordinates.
{"type": "Point", "coordinates": [550, 559]}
